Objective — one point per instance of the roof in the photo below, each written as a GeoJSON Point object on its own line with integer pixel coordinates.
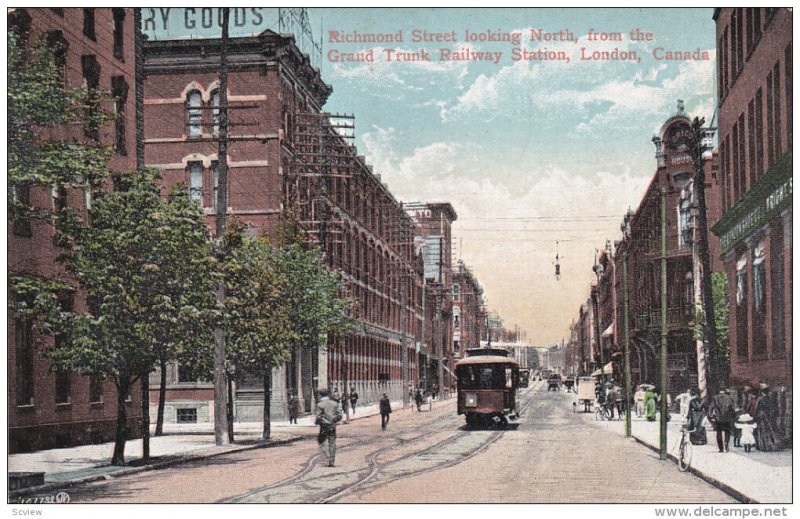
{"type": "Point", "coordinates": [486, 359]}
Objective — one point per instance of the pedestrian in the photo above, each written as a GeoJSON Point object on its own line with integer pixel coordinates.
{"type": "Point", "coordinates": [683, 403]}
{"type": "Point", "coordinates": [336, 396]}
{"type": "Point", "coordinates": [618, 401]}
{"type": "Point", "coordinates": [435, 391]}
{"type": "Point", "coordinates": [386, 410]}
{"type": "Point", "coordinates": [411, 395]}
{"type": "Point", "coordinates": [294, 408]}
{"type": "Point", "coordinates": [353, 399]}
{"type": "Point", "coordinates": [746, 426]}
{"type": "Point", "coordinates": [650, 405]}
{"type": "Point", "coordinates": [749, 400]}
{"type": "Point", "coordinates": [722, 414]}
{"type": "Point", "coordinates": [329, 414]}
{"type": "Point", "coordinates": [638, 399]}
{"type": "Point", "coordinates": [696, 414]}
{"type": "Point", "coordinates": [767, 436]}
{"type": "Point", "coordinates": [418, 399]}
{"type": "Point", "coordinates": [736, 431]}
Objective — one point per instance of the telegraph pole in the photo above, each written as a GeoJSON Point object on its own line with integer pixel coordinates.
{"type": "Point", "coordinates": [221, 420]}
{"type": "Point", "coordinates": [663, 353]}
{"type": "Point", "coordinates": [709, 327]}
{"type": "Point", "coordinates": [626, 359]}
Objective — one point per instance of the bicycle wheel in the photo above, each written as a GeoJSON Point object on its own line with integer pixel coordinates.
{"type": "Point", "coordinates": [599, 414]}
{"type": "Point", "coordinates": [684, 455]}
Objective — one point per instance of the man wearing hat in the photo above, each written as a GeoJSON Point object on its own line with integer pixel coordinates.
{"type": "Point", "coordinates": [386, 410]}
{"type": "Point", "coordinates": [722, 413]}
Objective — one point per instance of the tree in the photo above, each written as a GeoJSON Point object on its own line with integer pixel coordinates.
{"type": "Point", "coordinates": [257, 316]}
{"type": "Point", "coordinates": [146, 265]}
{"type": "Point", "coordinates": [42, 150]}
{"type": "Point", "coordinates": [718, 358]}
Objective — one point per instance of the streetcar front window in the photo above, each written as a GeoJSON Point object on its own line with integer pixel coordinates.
{"type": "Point", "coordinates": [484, 377]}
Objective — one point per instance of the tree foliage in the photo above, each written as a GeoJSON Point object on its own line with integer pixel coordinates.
{"type": "Point", "coordinates": [146, 266]}
{"type": "Point", "coordinates": [42, 148]}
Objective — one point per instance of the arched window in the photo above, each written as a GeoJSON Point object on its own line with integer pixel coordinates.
{"type": "Point", "coordinates": [194, 102]}
{"type": "Point", "coordinates": [684, 223]}
{"type": "Point", "coordinates": [215, 111]}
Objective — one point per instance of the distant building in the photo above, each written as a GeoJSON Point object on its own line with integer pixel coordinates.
{"type": "Point", "coordinates": [468, 314]}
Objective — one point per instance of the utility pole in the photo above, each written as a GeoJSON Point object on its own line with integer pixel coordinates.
{"type": "Point", "coordinates": [626, 358]}
{"type": "Point", "coordinates": [598, 271]}
{"type": "Point", "coordinates": [709, 327]}
{"type": "Point", "coordinates": [403, 314]}
{"type": "Point", "coordinates": [663, 353]}
{"type": "Point", "coordinates": [221, 419]}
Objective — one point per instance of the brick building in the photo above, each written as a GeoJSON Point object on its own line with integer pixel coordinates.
{"type": "Point", "coordinates": [468, 312]}
{"type": "Point", "coordinates": [433, 237]}
{"type": "Point", "coordinates": [286, 158]}
{"type": "Point", "coordinates": [94, 47]}
{"type": "Point", "coordinates": [754, 58]}
{"type": "Point", "coordinates": [642, 243]}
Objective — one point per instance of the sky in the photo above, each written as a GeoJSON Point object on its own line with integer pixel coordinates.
{"type": "Point", "coordinates": [538, 157]}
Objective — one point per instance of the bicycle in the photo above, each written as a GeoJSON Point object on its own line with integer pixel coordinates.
{"type": "Point", "coordinates": [685, 449]}
{"type": "Point", "coordinates": [602, 412]}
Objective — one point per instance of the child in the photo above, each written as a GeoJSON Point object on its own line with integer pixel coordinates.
{"type": "Point", "coordinates": [746, 425]}
{"type": "Point", "coordinates": [737, 433]}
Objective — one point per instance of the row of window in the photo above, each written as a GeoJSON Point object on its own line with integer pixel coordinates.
{"type": "Point", "coordinates": [118, 15]}
{"type": "Point", "coordinates": [743, 152]}
{"type": "Point", "coordinates": [737, 42]}
{"type": "Point", "coordinates": [754, 294]}
{"type": "Point", "coordinates": [25, 391]}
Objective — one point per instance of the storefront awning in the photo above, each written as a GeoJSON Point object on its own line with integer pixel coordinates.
{"type": "Point", "coordinates": [607, 369]}
{"type": "Point", "coordinates": [609, 331]}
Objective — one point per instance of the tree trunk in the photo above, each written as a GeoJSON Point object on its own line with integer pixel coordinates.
{"type": "Point", "coordinates": [162, 398]}
{"type": "Point", "coordinates": [145, 416]}
{"type": "Point", "coordinates": [229, 410]}
{"type": "Point", "coordinates": [118, 458]}
{"type": "Point", "coordinates": [267, 403]}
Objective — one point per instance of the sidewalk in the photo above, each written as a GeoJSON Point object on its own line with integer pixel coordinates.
{"type": "Point", "coordinates": [757, 477]}
{"type": "Point", "coordinates": [180, 443]}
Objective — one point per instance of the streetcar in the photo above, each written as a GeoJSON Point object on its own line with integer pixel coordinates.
{"type": "Point", "coordinates": [487, 384]}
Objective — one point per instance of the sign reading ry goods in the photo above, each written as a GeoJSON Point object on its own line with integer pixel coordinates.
{"type": "Point", "coordinates": [170, 23]}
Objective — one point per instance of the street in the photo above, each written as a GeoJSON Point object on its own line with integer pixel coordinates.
{"type": "Point", "coordinates": [550, 456]}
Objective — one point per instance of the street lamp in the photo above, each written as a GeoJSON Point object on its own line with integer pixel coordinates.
{"type": "Point", "coordinates": [598, 271]}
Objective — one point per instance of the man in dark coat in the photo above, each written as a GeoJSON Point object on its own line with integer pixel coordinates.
{"type": "Point", "coordinates": [329, 414]}
{"type": "Point", "coordinates": [294, 408]}
{"type": "Point", "coordinates": [418, 399]}
{"type": "Point", "coordinates": [353, 399]}
{"type": "Point", "coordinates": [386, 410]}
{"type": "Point", "coordinates": [722, 413]}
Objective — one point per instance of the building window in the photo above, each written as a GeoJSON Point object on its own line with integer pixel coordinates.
{"type": "Point", "coordinates": [196, 182]}
{"type": "Point", "coordinates": [119, 91]}
{"type": "Point", "coordinates": [787, 76]}
{"type": "Point", "coordinates": [88, 24]}
{"type": "Point", "coordinates": [215, 193]}
{"type": "Point", "coordinates": [684, 223]}
{"type": "Point", "coordinates": [119, 34]}
{"type": "Point", "coordinates": [95, 389]}
{"type": "Point", "coordinates": [63, 387]}
{"type": "Point", "coordinates": [777, 287]}
{"type": "Point", "coordinates": [194, 103]}
{"type": "Point", "coordinates": [759, 301]}
{"type": "Point", "coordinates": [759, 131]}
{"type": "Point", "coordinates": [776, 96]}
{"type": "Point", "coordinates": [21, 197]}
{"type": "Point", "coordinates": [186, 373]}
{"type": "Point", "coordinates": [59, 46]}
{"type": "Point", "coordinates": [456, 292]}
{"type": "Point", "coordinates": [91, 79]}
{"type": "Point", "coordinates": [186, 415]}
{"type": "Point", "coordinates": [23, 329]}
{"type": "Point", "coordinates": [741, 307]}
{"type": "Point", "coordinates": [58, 10]}
{"type": "Point", "coordinates": [215, 112]}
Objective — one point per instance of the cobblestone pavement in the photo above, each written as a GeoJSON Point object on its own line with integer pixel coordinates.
{"type": "Point", "coordinates": [430, 457]}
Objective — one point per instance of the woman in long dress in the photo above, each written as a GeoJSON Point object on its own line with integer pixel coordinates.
{"type": "Point", "coordinates": [768, 437]}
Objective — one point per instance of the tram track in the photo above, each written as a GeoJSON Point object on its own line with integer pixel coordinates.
{"type": "Point", "coordinates": [331, 487]}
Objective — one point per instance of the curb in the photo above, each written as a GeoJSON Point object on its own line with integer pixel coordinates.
{"type": "Point", "coordinates": [126, 471]}
{"type": "Point", "coordinates": [705, 477]}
